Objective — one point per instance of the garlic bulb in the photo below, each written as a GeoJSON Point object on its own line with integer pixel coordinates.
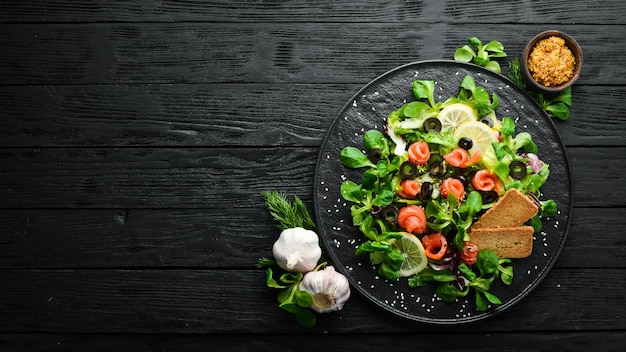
{"type": "Point", "coordinates": [330, 289]}
{"type": "Point", "coordinates": [297, 250]}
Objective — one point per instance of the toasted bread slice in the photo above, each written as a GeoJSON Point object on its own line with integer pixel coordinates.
{"type": "Point", "coordinates": [507, 242]}
{"type": "Point", "coordinates": [513, 209]}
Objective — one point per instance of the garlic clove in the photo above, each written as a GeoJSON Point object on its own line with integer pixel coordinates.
{"type": "Point", "coordinates": [297, 250]}
{"type": "Point", "coordinates": [330, 289]}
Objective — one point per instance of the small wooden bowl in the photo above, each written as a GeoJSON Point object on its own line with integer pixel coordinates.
{"type": "Point", "coordinates": [573, 46]}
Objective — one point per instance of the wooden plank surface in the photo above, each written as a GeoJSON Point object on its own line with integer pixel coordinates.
{"type": "Point", "coordinates": [216, 177]}
{"type": "Point", "coordinates": [237, 301]}
{"type": "Point", "coordinates": [272, 53]}
{"type": "Point", "coordinates": [412, 11]}
{"type": "Point", "coordinates": [449, 341]}
{"type": "Point", "coordinates": [217, 238]}
{"type": "Point", "coordinates": [136, 137]}
{"type": "Point", "coordinates": [223, 115]}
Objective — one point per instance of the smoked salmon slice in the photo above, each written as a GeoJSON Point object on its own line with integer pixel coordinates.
{"type": "Point", "coordinates": [413, 219]}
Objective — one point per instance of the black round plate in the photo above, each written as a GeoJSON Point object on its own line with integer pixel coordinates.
{"type": "Point", "coordinates": [368, 110]}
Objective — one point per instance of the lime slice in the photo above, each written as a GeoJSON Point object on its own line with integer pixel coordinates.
{"type": "Point", "coordinates": [413, 252]}
{"type": "Point", "coordinates": [452, 116]}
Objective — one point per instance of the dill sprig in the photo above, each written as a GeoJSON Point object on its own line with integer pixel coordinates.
{"type": "Point", "coordinates": [265, 262]}
{"type": "Point", "coordinates": [287, 214]}
{"type": "Point", "coordinates": [515, 74]}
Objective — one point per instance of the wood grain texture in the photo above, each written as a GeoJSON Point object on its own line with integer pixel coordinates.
{"type": "Point", "coordinates": [303, 342]}
{"type": "Point", "coordinates": [203, 115]}
{"type": "Point", "coordinates": [230, 115]}
{"type": "Point", "coordinates": [218, 238]}
{"type": "Point", "coordinates": [136, 137]}
{"type": "Point", "coordinates": [530, 12]}
{"type": "Point", "coordinates": [217, 177]}
{"type": "Point", "coordinates": [153, 178]}
{"type": "Point", "coordinates": [272, 53]}
{"type": "Point", "coordinates": [227, 301]}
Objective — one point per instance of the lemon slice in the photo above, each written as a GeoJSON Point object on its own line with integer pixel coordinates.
{"type": "Point", "coordinates": [481, 135]}
{"type": "Point", "coordinates": [413, 252]}
{"type": "Point", "coordinates": [452, 116]}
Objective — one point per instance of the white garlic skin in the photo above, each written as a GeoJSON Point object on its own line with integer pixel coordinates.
{"type": "Point", "coordinates": [297, 250]}
{"type": "Point", "coordinates": [330, 289]}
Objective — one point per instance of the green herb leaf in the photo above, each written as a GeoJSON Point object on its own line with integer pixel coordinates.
{"type": "Point", "coordinates": [491, 297]}
{"type": "Point", "coordinates": [384, 198]}
{"type": "Point", "coordinates": [565, 97]}
{"type": "Point", "coordinates": [374, 139]}
{"type": "Point", "coordinates": [483, 55]}
{"type": "Point", "coordinates": [269, 279]}
{"type": "Point", "coordinates": [536, 223]}
{"type": "Point", "coordinates": [468, 83]}
{"type": "Point", "coordinates": [290, 278]}
{"type": "Point", "coordinates": [558, 110]}
{"type": "Point", "coordinates": [354, 158]}
{"type": "Point", "coordinates": [415, 109]}
{"type": "Point", "coordinates": [304, 299]}
{"type": "Point", "coordinates": [502, 171]}
{"type": "Point", "coordinates": [467, 272]}
{"type": "Point", "coordinates": [508, 126]}
{"type": "Point", "coordinates": [493, 66]}
{"type": "Point", "coordinates": [464, 54]}
{"type": "Point", "coordinates": [351, 191]}
{"type": "Point", "coordinates": [548, 208]}
{"type": "Point", "coordinates": [304, 316]}
{"type": "Point", "coordinates": [388, 271]}
{"type": "Point", "coordinates": [487, 262]}
{"type": "Point", "coordinates": [496, 48]}
{"type": "Point", "coordinates": [473, 41]}
{"type": "Point", "coordinates": [506, 271]}
{"type": "Point", "coordinates": [524, 140]}
{"type": "Point", "coordinates": [448, 292]}
{"type": "Point", "coordinates": [482, 304]}
{"type": "Point", "coordinates": [423, 89]}
{"type": "Point", "coordinates": [474, 202]}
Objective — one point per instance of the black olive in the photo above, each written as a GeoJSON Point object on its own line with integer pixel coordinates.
{"type": "Point", "coordinates": [435, 168]}
{"type": "Point", "coordinates": [517, 169]}
{"type": "Point", "coordinates": [463, 180]}
{"type": "Point", "coordinates": [426, 191]}
{"type": "Point", "coordinates": [376, 209]}
{"type": "Point", "coordinates": [489, 196]}
{"type": "Point", "coordinates": [466, 143]}
{"type": "Point", "coordinates": [432, 124]}
{"type": "Point", "coordinates": [486, 120]}
{"type": "Point", "coordinates": [408, 169]}
{"type": "Point", "coordinates": [389, 214]}
{"type": "Point", "coordinates": [375, 155]}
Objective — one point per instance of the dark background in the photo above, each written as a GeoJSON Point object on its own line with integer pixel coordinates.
{"type": "Point", "coordinates": [137, 136]}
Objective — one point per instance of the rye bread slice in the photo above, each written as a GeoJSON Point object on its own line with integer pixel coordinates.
{"type": "Point", "coordinates": [513, 209]}
{"type": "Point", "coordinates": [507, 242]}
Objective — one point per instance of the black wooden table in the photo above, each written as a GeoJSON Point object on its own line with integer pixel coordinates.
{"type": "Point", "coordinates": [137, 136]}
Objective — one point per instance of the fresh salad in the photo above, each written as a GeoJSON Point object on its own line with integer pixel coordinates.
{"type": "Point", "coordinates": [433, 171]}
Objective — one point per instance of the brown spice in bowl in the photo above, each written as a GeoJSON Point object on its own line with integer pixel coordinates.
{"type": "Point", "coordinates": [551, 62]}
